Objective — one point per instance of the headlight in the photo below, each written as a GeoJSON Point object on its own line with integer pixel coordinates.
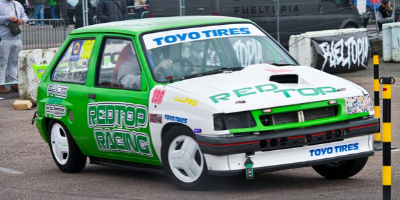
{"type": "Point", "coordinates": [358, 104]}
{"type": "Point", "coordinates": [233, 121]}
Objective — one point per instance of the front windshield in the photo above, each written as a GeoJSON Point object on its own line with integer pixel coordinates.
{"type": "Point", "coordinates": [196, 52]}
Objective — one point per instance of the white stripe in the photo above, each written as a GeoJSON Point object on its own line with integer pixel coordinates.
{"type": "Point", "coordinates": [1, 98]}
{"type": "Point", "coordinates": [9, 171]}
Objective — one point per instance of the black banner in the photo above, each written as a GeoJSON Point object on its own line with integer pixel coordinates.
{"type": "Point", "coordinates": [342, 53]}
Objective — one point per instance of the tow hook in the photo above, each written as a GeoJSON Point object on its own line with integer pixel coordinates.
{"type": "Point", "coordinates": [249, 167]}
{"type": "Point", "coordinates": [34, 117]}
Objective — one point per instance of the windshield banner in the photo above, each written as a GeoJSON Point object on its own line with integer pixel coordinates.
{"type": "Point", "coordinates": [342, 53]}
{"type": "Point", "coordinates": [164, 38]}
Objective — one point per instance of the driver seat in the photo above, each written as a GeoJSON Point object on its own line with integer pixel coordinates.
{"type": "Point", "coordinates": [125, 55]}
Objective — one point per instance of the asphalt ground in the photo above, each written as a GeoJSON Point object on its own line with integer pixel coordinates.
{"type": "Point", "coordinates": [27, 170]}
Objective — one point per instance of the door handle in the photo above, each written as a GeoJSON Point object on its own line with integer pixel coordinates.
{"type": "Point", "coordinates": [91, 96]}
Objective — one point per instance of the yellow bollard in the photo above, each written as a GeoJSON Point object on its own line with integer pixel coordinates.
{"type": "Point", "coordinates": [386, 135]}
{"type": "Point", "coordinates": [378, 140]}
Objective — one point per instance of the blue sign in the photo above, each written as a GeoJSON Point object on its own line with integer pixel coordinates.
{"type": "Point", "coordinates": [334, 149]}
{"type": "Point", "coordinates": [76, 49]}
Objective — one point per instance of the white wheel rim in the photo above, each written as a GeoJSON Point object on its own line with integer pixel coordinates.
{"type": "Point", "coordinates": [59, 143]}
{"type": "Point", "coordinates": [185, 159]}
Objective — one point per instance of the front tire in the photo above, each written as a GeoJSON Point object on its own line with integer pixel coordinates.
{"type": "Point", "coordinates": [65, 152]}
{"type": "Point", "coordinates": [183, 160]}
{"type": "Point", "coordinates": [341, 170]}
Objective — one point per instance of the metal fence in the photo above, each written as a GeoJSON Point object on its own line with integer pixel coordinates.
{"type": "Point", "coordinates": [51, 35]}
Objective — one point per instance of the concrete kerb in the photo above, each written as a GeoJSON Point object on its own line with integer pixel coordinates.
{"type": "Point", "coordinates": [302, 49]}
{"type": "Point", "coordinates": [390, 44]}
{"type": "Point", "coordinates": [27, 79]}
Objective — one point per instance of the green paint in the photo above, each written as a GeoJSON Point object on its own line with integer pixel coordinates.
{"type": "Point", "coordinates": [40, 70]}
{"type": "Point", "coordinates": [264, 88]}
{"type": "Point", "coordinates": [222, 96]}
{"type": "Point", "coordinates": [308, 91]}
{"type": "Point", "coordinates": [272, 88]}
{"type": "Point", "coordinates": [243, 92]}
{"type": "Point", "coordinates": [285, 92]}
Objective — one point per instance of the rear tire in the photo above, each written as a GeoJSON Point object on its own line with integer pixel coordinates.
{"type": "Point", "coordinates": [183, 160]}
{"type": "Point", "coordinates": [65, 152]}
{"type": "Point", "coordinates": [341, 170]}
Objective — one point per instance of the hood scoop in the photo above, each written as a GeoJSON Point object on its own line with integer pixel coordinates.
{"type": "Point", "coordinates": [285, 78]}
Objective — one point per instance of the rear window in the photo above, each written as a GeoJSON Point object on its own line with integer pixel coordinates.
{"type": "Point", "coordinates": [73, 65]}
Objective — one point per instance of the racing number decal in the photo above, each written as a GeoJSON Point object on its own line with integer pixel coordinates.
{"type": "Point", "coordinates": [87, 49]}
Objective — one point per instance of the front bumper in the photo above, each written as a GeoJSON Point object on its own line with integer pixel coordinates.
{"type": "Point", "coordinates": [290, 138]}
{"type": "Point", "coordinates": [266, 161]}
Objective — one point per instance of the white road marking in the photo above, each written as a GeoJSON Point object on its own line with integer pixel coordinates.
{"type": "Point", "coordinates": [9, 171]}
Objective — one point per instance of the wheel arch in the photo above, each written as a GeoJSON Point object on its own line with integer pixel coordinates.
{"type": "Point", "coordinates": [349, 22]}
{"type": "Point", "coordinates": [169, 126]}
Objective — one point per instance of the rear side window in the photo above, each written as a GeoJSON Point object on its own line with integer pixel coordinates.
{"type": "Point", "coordinates": [73, 65]}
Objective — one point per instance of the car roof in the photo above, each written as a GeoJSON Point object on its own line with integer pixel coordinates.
{"type": "Point", "coordinates": [137, 26]}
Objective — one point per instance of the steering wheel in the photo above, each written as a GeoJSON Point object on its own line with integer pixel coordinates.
{"type": "Point", "coordinates": [186, 66]}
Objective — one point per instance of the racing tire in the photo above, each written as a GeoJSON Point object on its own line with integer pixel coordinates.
{"type": "Point", "coordinates": [341, 170]}
{"type": "Point", "coordinates": [183, 160]}
{"type": "Point", "coordinates": [64, 150]}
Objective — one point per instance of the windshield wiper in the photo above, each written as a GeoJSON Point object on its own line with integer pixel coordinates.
{"type": "Point", "coordinates": [282, 64]}
{"type": "Point", "coordinates": [214, 71]}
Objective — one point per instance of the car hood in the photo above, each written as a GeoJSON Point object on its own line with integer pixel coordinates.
{"type": "Point", "coordinates": [266, 86]}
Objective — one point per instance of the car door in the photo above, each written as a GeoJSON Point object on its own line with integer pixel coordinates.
{"type": "Point", "coordinates": [69, 85]}
{"type": "Point", "coordinates": [118, 104]}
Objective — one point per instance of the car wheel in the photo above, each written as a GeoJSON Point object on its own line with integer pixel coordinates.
{"type": "Point", "coordinates": [350, 26]}
{"type": "Point", "coordinates": [341, 170]}
{"type": "Point", "coordinates": [183, 160]}
{"type": "Point", "coordinates": [64, 150]}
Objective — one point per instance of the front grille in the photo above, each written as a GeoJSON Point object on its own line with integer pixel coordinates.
{"type": "Point", "coordinates": [299, 116]}
{"type": "Point", "coordinates": [239, 120]}
{"type": "Point", "coordinates": [319, 113]}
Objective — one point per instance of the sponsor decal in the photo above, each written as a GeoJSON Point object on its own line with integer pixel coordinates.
{"type": "Point", "coordinates": [358, 104]}
{"type": "Point", "coordinates": [87, 49]}
{"type": "Point", "coordinates": [272, 88]}
{"type": "Point", "coordinates": [158, 96]}
{"type": "Point", "coordinates": [342, 53]}
{"type": "Point", "coordinates": [113, 123]}
{"type": "Point", "coordinates": [57, 90]}
{"type": "Point", "coordinates": [334, 149]}
{"type": "Point", "coordinates": [76, 49]}
{"type": "Point", "coordinates": [53, 100]}
{"type": "Point", "coordinates": [176, 119]}
{"type": "Point", "coordinates": [186, 100]}
{"type": "Point", "coordinates": [155, 118]}
{"type": "Point", "coordinates": [159, 39]}
{"type": "Point", "coordinates": [39, 70]}
{"type": "Point", "coordinates": [122, 140]}
{"type": "Point", "coordinates": [203, 34]}
{"type": "Point", "coordinates": [55, 111]}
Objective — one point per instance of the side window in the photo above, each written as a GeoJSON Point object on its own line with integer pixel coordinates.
{"type": "Point", "coordinates": [119, 66]}
{"type": "Point", "coordinates": [72, 67]}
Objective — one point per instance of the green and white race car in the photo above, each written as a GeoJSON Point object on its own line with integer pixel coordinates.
{"type": "Point", "coordinates": [194, 97]}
